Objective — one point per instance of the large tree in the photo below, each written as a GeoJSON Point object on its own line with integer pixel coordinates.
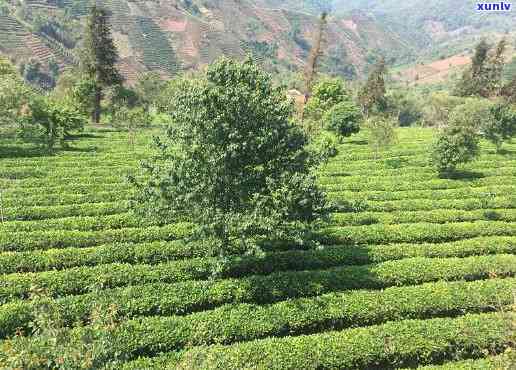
{"type": "Point", "coordinates": [99, 56]}
{"type": "Point", "coordinates": [232, 162]}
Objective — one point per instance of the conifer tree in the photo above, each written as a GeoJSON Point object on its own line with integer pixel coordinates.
{"type": "Point", "coordinates": [99, 56]}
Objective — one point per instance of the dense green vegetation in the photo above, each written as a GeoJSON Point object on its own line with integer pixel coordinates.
{"type": "Point", "coordinates": [207, 221]}
{"type": "Point", "coordinates": [402, 227]}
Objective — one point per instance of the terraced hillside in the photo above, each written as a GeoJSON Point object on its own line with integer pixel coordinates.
{"type": "Point", "coordinates": [174, 36]}
{"type": "Point", "coordinates": [414, 270]}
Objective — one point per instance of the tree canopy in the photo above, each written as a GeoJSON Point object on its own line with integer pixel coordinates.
{"type": "Point", "coordinates": [232, 162]}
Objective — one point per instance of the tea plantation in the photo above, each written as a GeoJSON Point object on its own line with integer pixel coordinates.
{"type": "Point", "coordinates": [414, 270]}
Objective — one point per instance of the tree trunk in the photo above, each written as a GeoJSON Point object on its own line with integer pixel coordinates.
{"type": "Point", "coordinates": [96, 108]}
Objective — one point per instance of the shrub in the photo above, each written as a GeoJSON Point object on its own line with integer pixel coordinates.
{"type": "Point", "coordinates": [324, 146]}
{"type": "Point", "coordinates": [502, 126]}
{"type": "Point", "coordinates": [455, 145]}
{"type": "Point", "coordinates": [343, 118]}
{"type": "Point", "coordinates": [381, 133]}
{"type": "Point", "coordinates": [473, 114]}
{"type": "Point", "coordinates": [50, 345]}
{"type": "Point", "coordinates": [326, 94]}
{"type": "Point", "coordinates": [132, 118]}
{"type": "Point", "coordinates": [438, 108]}
{"type": "Point", "coordinates": [391, 345]}
{"type": "Point", "coordinates": [49, 121]}
{"type": "Point", "coordinates": [406, 108]}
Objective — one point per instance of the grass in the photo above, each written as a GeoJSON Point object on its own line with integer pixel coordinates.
{"type": "Point", "coordinates": [413, 270]}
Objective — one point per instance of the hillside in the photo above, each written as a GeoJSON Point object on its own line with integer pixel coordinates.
{"type": "Point", "coordinates": [173, 36]}
{"type": "Point", "coordinates": [410, 273]}
{"type": "Point", "coordinates": [181, 35]}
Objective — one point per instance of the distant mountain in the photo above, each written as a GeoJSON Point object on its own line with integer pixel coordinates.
{"type": "Point", "coordinates": [175, 35]}
{"type": "Point", "coordinates": [171, 36]}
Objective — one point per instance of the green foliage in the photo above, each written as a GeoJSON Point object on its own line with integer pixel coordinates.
{"type": "Point", "coordinates": [232, 162]}
{"type": "Point", "coordinates": [99, 53]}
{"type": "Point", "coordinates": [484, 77]}
{"type": "Point", "coordinates": [274, 280]}
{"type": "Point", "coordinates": [407, 248]}
{"type": "Point", "coordinates": [343, 119]}
{"type": "Point", "coordinates": [49, 121]}
{"type": "Point", "coordinates": [99, 56]}
{"type": "Point", "coordinates": [439, 107]}
{"type": "Point", "coordinates": [326, 94]}
{"type": "Point", "coordinates": [372, 95]}
{"type": "Point", "coordinates": [82, 94]}
{"type": "Point", "coordinates": [148, 89]}
{"type": "Point", "coordinates": [455, 145]}
{"type": "Point", "coordinates": [405, 107]}
{"type": "Point", "coordinates": [473, 114]}
{"type": "Point", "coordinates": [51, 345]}
{"type": "Point", "coordinates": [502, 126]}
{"type": "Point", "coordinates": [381, 133]}
{"type": "Point", "coordinates": [131, 119]}
{"type": "Point", "coordinates": [13, 93]}
{"type": "Point", "coordinates": [401, 343]}
{"type": "Point", "coordinates": [324, 146]}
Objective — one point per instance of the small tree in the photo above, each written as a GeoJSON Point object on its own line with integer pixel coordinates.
{"type": "Point", "coordinates": [148, 88]}
{"type": "Point", "coordinates": [343, 119]}
{"type": "Point", "coordinates": [372, 95]}
{"type": "Point", "coordinates": [439, 107]}
{"type": "Point", "coordinates": [382, 133]}
{"type": "Point", "coordinates": [14, 94]}
{"type": "Point", "coordinates": [99, 56]}
{"type": "Point", "coordinates": [484, 76]}
{"type": "Point", "coordinates": [502, 126]}
{"type": "Point", "coordinates": [326, 94]}
{"type": "Point", "coordinates": [474, 114]}
{"type": "Point", "coordinates": [48, 121]}
{"type": "Point", "coordinates": [232, 162]}
{"type": "Point", "coordinates": [455, 145]}
{"type": "Point", "coordinates": [131, 119]}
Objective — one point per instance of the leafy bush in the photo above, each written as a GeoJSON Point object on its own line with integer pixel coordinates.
{"type": "Point", "coordinates": [326, 93]}
{"type": "Point", "coordinates": [13, 93]}
{"type": "Point", "coordinates": [51, 345]}
{"type": "Point", "coordinates": [502, 126]}
{"type": "Point", "coordinates": [393, 344]}
{"type": "Point", "coordinates": [324, 146]}
{"type": "Point", "coordinates": [131, 119]}
{"type": "Point", "coordinates": [381, 133]}
{"type": "Point", "coordinates": [405, 107]}
{"type": "Point", "coordinates": [343, 118]}
{"type": "Point", "coordinates": [455, 145]}
{"type": "Point", "coordinates": [49, 121]}
{"type": "Point", "coordinates": [438, 108]}
{"type": "Point", "coordinates": [473, 114]}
